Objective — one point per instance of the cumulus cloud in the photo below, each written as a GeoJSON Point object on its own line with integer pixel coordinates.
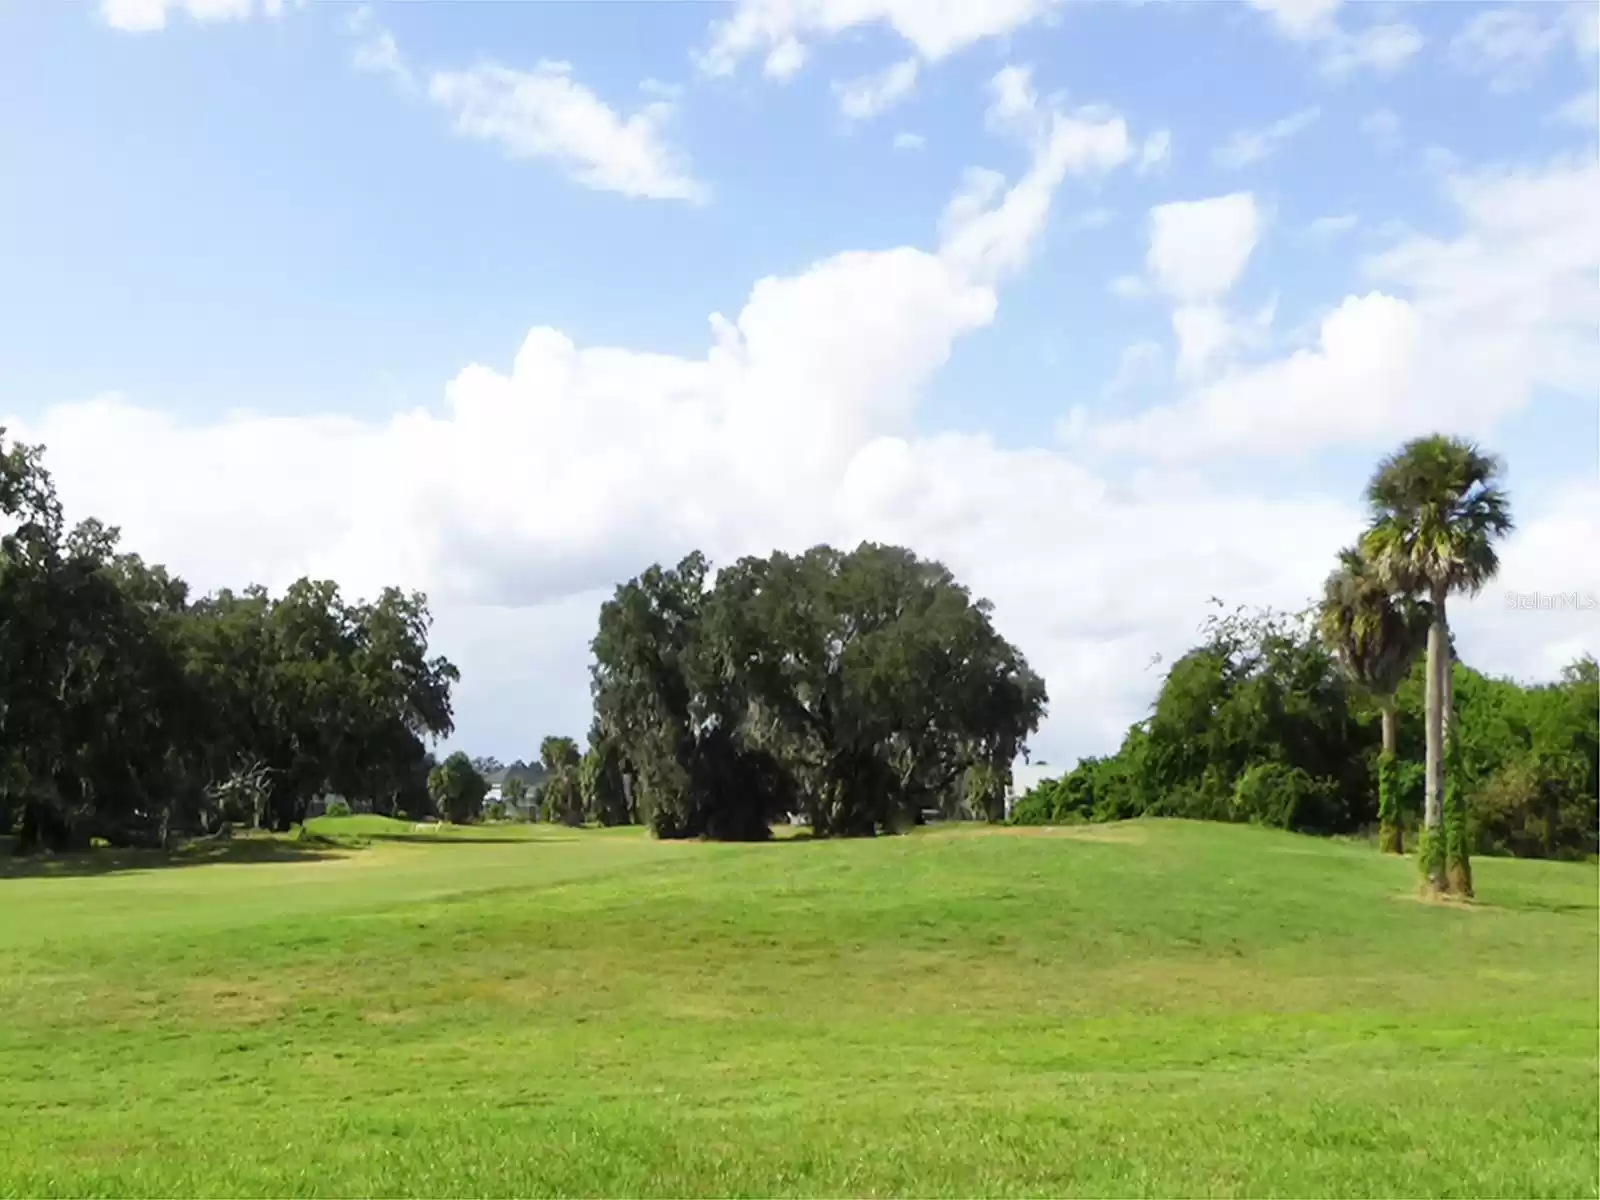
{"type": "Point", "coordinates": [1013, 104]}
{"type": "Point", "coordinates": [909, 141]}
{"type": "Point", "coordinates": [785, 59]}
{"type": "Point", "coordinates": [1458, 334]}
{"type": "Point", "coordinates": [546, 113]}
{"type": "Point", "coordinates": [864, 98]}
{"type": "Point", "coordinates": [1199, 248]}
{"type": "Point", "coordinates": [794, 426]}
{"type": "Point", "coordinates": [986, 239]}
{"type": "Point", "coordinates": [779, 29]}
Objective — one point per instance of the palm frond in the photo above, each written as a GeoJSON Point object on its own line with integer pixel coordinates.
{"type": "Point", "coordinates": [1437, 511]}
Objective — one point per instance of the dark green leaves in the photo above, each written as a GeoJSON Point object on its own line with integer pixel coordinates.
{"type": "Point", "coordinates": [852, 687]}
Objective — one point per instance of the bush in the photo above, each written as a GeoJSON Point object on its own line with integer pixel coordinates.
{"type": "Point", "coordinates": [1269, 793]}
{"type": "Point", "coordinates": [337, 808]}
{"type": "Point", "coordinates": [1036, 806]}
{"type": "Point", "coordinates": [1533, 807]}
{"type": "Point", "coordinates": [494, 812]}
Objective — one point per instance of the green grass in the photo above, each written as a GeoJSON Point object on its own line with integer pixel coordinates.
{"type": "Point", "coordinates": [1153, 1008]}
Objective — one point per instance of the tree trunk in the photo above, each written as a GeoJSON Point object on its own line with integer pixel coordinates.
{"type": "Point", "coordinates": [1457, 835]}
{"type": "Point", "coordinates": [1430, 848]}
{"type": "Point", "coordinates": [1390, 838]}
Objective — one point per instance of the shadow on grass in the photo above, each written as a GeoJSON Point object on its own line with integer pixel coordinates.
{"type": "Point", "coordinates": [107, 861]}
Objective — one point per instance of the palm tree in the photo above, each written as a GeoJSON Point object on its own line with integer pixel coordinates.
{"type": "Point", "coordinates": [1375, 635]}
{"type": "Point", "coordinates": [1437, 511]}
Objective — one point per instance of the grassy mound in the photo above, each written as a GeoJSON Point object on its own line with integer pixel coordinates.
{"type": "Point", "coordinates": [1156, 1007]}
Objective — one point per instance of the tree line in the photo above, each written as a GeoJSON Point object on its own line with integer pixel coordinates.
{"type": "Point", "coordinates": [857, 691]}
{"type": "Point", "coordinates": [134, 713]}
{"type": "Point", "coordinates": [1358, 711]}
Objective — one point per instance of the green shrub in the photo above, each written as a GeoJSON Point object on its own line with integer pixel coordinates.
{"type": "Point", "coordinates": [1533, 807]}
{"type": "Point", "coordinates": [337, 808]}
{"type": "Point", "coordinates": [1036, 806]}
{"type": "Point", "coordinates": [1270, 793]}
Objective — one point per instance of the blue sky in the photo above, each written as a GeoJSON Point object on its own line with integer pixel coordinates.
{"type": "Point", "coordinates": [1112, 306]}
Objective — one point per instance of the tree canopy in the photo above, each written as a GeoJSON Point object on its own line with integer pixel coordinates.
{"type": "Point", "coordinates": [131, 712]}
{"type": "Point", "coordinates": [852, 687]}
{"type": "Point", "coordinates": [1258, 724]}
{"type": "Point", "coordinates": [457, 789]}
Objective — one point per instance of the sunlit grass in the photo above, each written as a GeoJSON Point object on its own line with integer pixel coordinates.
{"type": "Point", "coordinates": [1148, 1008]}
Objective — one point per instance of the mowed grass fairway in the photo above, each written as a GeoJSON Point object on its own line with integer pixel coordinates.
{"type": "Point", "coordinates": [1158, 1007]}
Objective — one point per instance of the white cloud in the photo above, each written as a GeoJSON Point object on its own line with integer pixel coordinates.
{"type": "Point", "coordinates": [1156, 151]}
{"type": "Point", "coordinates": [1462, 333]}
{"type": "Point", "coordinates": [1507, 45]}
{"type": "Point", "coordinates": [1301, 20]}
{"type": "Point", "coordinates": [377, 52]}
{"type": "Point", "coordinates": [935, 28]}
{"type": "Point", "coordinates": [1328, 228]}
{"type": "Point", "coordinates": [1252, 145]}
{"type": "Point", "coordinates": [784, 60]}
{"type": "Point", "coordinates": [864, 98]}
{"type": "Point", "coordinates": [1345, 388]}
{"type": "Point", "coordinates": [1203, 333]}
{"type": "Point", "coordinates": [1013, 104]}
{"type": "Point", "coordinates": [1198, 248]}
{"type": "Point", "coordinates": [546, 113]}
{"type": "Point", "coordinates": [1382, 49]}
{"type": "Point", "coordinates": [909, 141]}
{"type": "Point", "coordinates": [1543, 555]}
{"type": "Point", "coordinates": [985, 238]}
{"type": "Point", "coordinates": [1379, 48]}
{"type": "Point", "coordinates": [796, 425]}
{"type": "Point", "coordinates": [146, 16]}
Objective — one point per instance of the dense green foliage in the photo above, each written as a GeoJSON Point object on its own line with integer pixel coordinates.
{"type": "Point", "coordinates": [1376, 636]}
{"type": "Point", "coordinates": [1258, 724]}
{"type": "Point", "coordinates": [856, 688]}
{"type": "Point", "coordinates": [604, 784]}
{"type": "Point", "coordinates": [560, 795]}
{"type": "Point", "coordinates": [457, 789]}
{"type": "Point", "coordinates": [131, 712]}
{"type": "Point", "coordinates": [1161, 1008]}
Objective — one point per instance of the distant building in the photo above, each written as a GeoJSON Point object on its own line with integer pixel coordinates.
{"type": "Point", "coordinates": [532, 775]}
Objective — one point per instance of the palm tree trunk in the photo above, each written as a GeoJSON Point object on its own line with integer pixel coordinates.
{"type": "Point", "coordinates": [1457, 862]}
{"type": "Point", "coordinates": [1390, 838]}
{"type": "Point", "coordinates": [1430, 848]}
